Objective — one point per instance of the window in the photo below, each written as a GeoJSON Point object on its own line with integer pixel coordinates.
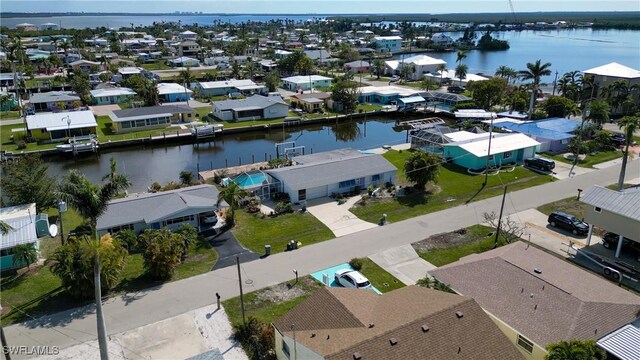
{"type": "Point", "coordinates": [507, 154]}
{"type": "Point", "coordinates": [490, 157]}
{"type": "Point", "coordinates": [179, 220]}
{"type": "Point", "coordinates": [285, 349]}
{"type": "Point", "coordinates": [597, 209]}
{"type": "Point", "coordinates": [126, 124]}
{"type": "Point", "coordinates": [152, 122]}
{"type": "Point", "coordinates": [302, 194]}
{"type": "Point", "coordinates": [375, 178]}
{"type": "Point", "coordinates": [347, 184]}
{"type": "Point", "coordinates": [115, 229]}
{"type": "Point", "coordinates": [140, 123]}
{"type": "Point", "coordinates": [525, 343]}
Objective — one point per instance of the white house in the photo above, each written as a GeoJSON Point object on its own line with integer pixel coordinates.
{"type": "Point", "coordinates": [422, 65]}
{"type": "Point", "coordinates": [184, 61]}
{"type": "Point", "coordinates": [441, 39]}
{"type": "Point", "coordinates": [226, 87]}
{"type": "Point", "coordinates": [27, 228]}
{"type": "Point", "coordinates": [188, 35]}
{"type": "Point", "coordinates": [256, 107]}
{"type": "Point", "coordinates": [116, 95]}
{"type": "Point", "coordinates": [392, 44]}
{"type": "Point", "coordinates": [172, 92]}
{"type": "Point", "coordinates": [338, 171]}
{"type": "Point", "coordinates": [52, 126]}
{"type": "Point", "coordinates": [306, 82]}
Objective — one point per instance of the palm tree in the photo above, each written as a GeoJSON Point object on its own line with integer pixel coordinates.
{"type": "Point", "coordinates": [598, 112]}
{"type": "Point", "coordinates": [442, 68]}
{"type": "Point", "coordinates": [630, 124]}
{"type": "Point", "coordinates": [186, 77]}
{"type": "Point", "coordinates": [25, 254]}
{"type": "Point", "coordinates": [534, 73]}
{"type": "Point", "coordinates": [232, 195]}
{"type": "Point", "coordinates": [461, 72]}
{"type": "Point", "coordinates": [91, 201]}
{"type": "Point", "coordinates": [5, 228]}
{"type": "Point", "coordinates": [575, 350]}
{"type": "Point", "coordinates": [378, 67]}
{"type": "Point", "coordinates": [462, 54]}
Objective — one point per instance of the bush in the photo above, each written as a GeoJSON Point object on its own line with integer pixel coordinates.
{"type": "Point", "coordinates": [278, 162]}
{"type": "Point", "coordinates": [21, 145]}
{"type": "Point", "coordinates": [283, 207]}
{"type": "Point", "coordinates": [171, 186]}
{"type": "Point", "coordinates": [163, 252]}
{"type": "Point", "coordinates": [257, 339]}
{"type": "Point", "coordinates": [253, 206]}
{"type": "Point", "coordinates": [128, 239]}
{"type": "Point", "coordinates": [356, 264]}
{"type": "Point", "coordinates": [155, 187]}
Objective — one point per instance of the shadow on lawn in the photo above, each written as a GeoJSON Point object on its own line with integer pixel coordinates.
{"type": "Point", "coordinates": [38, 311]}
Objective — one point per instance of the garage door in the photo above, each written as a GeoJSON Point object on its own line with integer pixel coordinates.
{"type": "Point", "coordinates": [544, 146]}
{"type": "Point", "coordinates": [317, 192]}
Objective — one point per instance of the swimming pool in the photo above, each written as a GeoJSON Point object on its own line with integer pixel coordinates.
{"type": "Point", "coordinates": [330, 274]}
{"type": "Point", "coordinates": [249, 180]}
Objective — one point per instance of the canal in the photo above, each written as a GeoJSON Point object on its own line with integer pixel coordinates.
{"type": "Point", "coordinates": [145, 165]}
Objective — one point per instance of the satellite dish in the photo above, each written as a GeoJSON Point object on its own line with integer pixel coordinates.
{"type": "Point", "coordinates": [53, 230]}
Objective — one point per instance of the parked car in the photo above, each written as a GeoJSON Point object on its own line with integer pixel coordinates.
{"type": "Point", "coordinates": [618, 139]}
{"type": "Point", "coordinates": [210, 219]}
{"type": "Point", "coordinates": [455, 89]}
{"type": "Point", "coordinates": [540, 163]}
{"type": "Point", "coordinates": [610, 241]}
{"type": "Point", "coordinates": [568, 222]}
{"type": "Point", "coordinates": [352, 279]}
{"type": "Point", "coordinates": [395, 78]}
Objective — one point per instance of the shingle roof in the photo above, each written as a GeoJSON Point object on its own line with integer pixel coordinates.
{"type": "Point", "coordinates": [255, 101]}
{"type": "Point", "coordinates": [557, 302]}
{"type": "Point", "coordinates": [150, 208]}
{"type": "Point", "coordinates": [625, 203]}
{"type": "Point", "coordinates": [335, 323]}
{"type": "Point", "coordinates": [332, 171]}
{"type": "Point", "coordinates": [53, 96]}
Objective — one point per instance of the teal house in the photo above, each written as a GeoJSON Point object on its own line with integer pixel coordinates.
{"type": "Point", "coordinates": [470, 150]}
{"type": "Point", "coordinates": [26, 228]}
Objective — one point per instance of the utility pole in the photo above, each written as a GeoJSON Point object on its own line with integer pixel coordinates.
{"type": "Point", "coordinates": [486, 170]}
{"type": "Point", "coordinates": [5, 346]}
{"type": "Point", "coordinates": [504, 195]}
{"type": "Point", "coordinates": [295, 348]}
{"type": "Point", "coordinates": [244, 321]}
{"type": "Point", "coordinates": [555, 82]}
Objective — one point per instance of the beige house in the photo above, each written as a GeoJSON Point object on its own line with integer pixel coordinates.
{"type": "Point", "coordinates": [615, 211]}
{"type": "Point", "coordinates": [150, 117]}
{"type": "Point", "coordinates": [536, 298]}
{"type": "Point", "coordinates": [409, 323]}
{"type": "Point", "coordinates": [311, 102]}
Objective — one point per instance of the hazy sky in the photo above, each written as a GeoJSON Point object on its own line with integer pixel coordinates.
{"type": "Point", "coordinates": [315, 6]}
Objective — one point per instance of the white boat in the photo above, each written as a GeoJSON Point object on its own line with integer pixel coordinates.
{"type": "Point", "coordinates": [77, 145]}
{"type": "Point", "coordinates": [205, 130]}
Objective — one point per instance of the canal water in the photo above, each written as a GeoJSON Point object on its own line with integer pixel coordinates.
{"type": "Point", "coordinates": [144, 165]}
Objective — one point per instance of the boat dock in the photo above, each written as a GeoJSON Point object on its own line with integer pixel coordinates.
{"type": "Point", "coordinates": [233, 170]}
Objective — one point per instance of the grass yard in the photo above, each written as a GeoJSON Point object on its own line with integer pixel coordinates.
{"type": "Point", "coordinates": [589, 160]}
{"type": "Point", "coordinates": [379, 277]}
{"type": "Point", "coordinates": [268, 305]}
{"type": "Point", "coordinates": [12, 146]}
{"type": "Point", "coordinates": [105, 131]}
{"type": "Point", "coordinates": [254, 232]}
{"type": "Point", "coordinates": [455, 187]}
{"type": "Point", "coordinates": [39, 292]}
{"type": "Point", "coordinates": [570, 205]}
{"type": "Point", "coordinates": [156, 65]}
{"type": "Point", "coordinates": [9, 114]}
{"type": "Point", "coordinates": [475, 241]}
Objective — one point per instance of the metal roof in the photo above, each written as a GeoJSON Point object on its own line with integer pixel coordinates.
{"type": "Point", "coordinates": [623, 343]}
{"type": "Point", "coordinates": [53, 96]}
{"type": "Point", "coordinates": [111, 92]}
{"type": "Point", "coordinates": [411, 99]}
{"type": "Point", "coordinates": [255, 101]}
{"type": "Point", "coordinates": [441, 95]}
{"type": "Point", "coordinates": [22, 219]}
{"type": "Point", "coordinates": [304, 79]}
{"type": "Point", "coordinates": [151, 208]}
{"type": "Point", "coordinates": [625, 203]}
{"type": "Point", "coordinates": [500, 143]}
{"type": "Point", "coordinates": [172, 88]}
{"type": "Point", "coordinates": [62, 120]}
{"type": "Point", "coordinates": [614, 70]}
{"type": "Point", "coordinates": [149, 111]}
{"type": "Point", "coordinates": [227, 83]}
{"type": "Point", "coordinates": [531, 128]}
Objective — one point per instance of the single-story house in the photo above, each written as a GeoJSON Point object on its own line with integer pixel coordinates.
{"type": "Point", "coordinates": [304, 82]}
{"type": "Point", "coordinates": [84, 65]}
{"type": "Point", "coordinates": [542, 298]}
{"type": "Point", "coordinates": [412, 322]}
{"type": "Point", "coordinates": [172, 92]}
{"type": "Point", "coordinates": [114, 95]}
{"type": "Point", "coordinates": [150, 117]}
{"type": "Point", "coordinates": [615, 211]}
{"type": "Point", "coordinates": [280, 54]}
{"type": "Point", "coordinates": [7, 79]}
{"type": "Point", "coordinates": [169, 209]}
{"type": "Point", "coordinates": [27, 228]}
{"type": "Point", "coordinates": [332, 172]}
{"type": "Point", "coordinates": [553, 134]}
{"type": "Point", "coordinates": [54, 126]}
{"type": "Point", "coordinates": [358, 66]}
{"type": "Point", "coordinates": [422, 64]}
{"type": "Point", "coordinates": [144, 57]}
{"type": "Point", "coordinates": [53, 100]}
{"type": "Point", "coordinates": [256, 107]}
{"type": "Point", "coordinates": [450, 74]}
{"type": "Point", "coordinates": [474, 115]}
{"type": "Point", "coordinates": [184, 61]}
{"type": "Point", "coordinates": [129, 71]}
{"type": "Point", "coordinates": [470, 150]}
{"type": "Point", "coordinates": [311, 102]}
{"type": "Point", "coordinates": [384, 95]}
{"type": "Point", "coordinates": [226, 87]}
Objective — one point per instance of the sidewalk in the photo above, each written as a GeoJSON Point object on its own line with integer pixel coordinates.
{"type": "Point", "coordinates": [134, 310]}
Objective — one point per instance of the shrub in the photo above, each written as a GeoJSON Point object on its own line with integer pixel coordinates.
{"type": "Point", "coordinates": [21, 145]}
{"type": "Point", "coordinates": [155, 187]}
{"type": "Point", "coordinates": [253, 206]}
{"type": "Point", "coordinates": [257, 339]}
{"type": "Point", "coordinates": [127, 238]}
{"type": "Point", "coordinates": [283, 207]}
{"type": "Point", "coordinates": [163, 253]}
{"type": "Point", "coordinates": [171, 186]}
{"type": "Point", "coordinates": [356, 264]}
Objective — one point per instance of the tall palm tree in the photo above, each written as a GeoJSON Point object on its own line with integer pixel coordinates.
{"type": "Point", "coordinates": [506, 72]}
{"type": "Point", "coordinates": [598, 112]}
{"type": "Point", "coordinates": [462, 54]}
{"type": "Point", "coordinates": [442, 68]}
{"type": "Point", "coordinates": [186, 77]}
{"type": "Point", "coordinates": [232, 195]}
{"type": "Point", "coordinates": [91, 201]}
{"type": "Point", "coordinates": [378, 67]}
{"type": "Point", "coordinates": [461, 72]}
{"type": "Point", "coordinates": [5, 228]}
{"type": "Point", "coordinates": [535, 71]}
{"type": "Point", "coordinates": [629, 124]}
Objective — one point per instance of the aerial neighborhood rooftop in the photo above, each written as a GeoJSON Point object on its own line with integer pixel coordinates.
{"type": "Point", "coordinates": [399, 185]}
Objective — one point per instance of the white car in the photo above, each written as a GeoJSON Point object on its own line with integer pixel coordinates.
{"type": "Point", "coordinates": [395, 78]}
{"type": "Point", "coordinates": [352, 279]}
{"type": "Point", "coordinates": [210, 219]}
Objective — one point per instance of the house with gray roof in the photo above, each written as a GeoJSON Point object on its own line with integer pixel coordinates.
{"type": "Point", "coordinates": [256, 107]}
{"type": "Point", "coordinates": [150, 117]}
{"type": "Point", "coordinates": [408, 323]}
{"type": "Point", "coordinates": [194, 205]}
{"type": "Point", "coordinates": [536, 298]}
{"type": "Point", "coordinates": [53, 100]}
{"type": "Point", "coordinates": [614, 211]}
{"type": "Point", "coordinates": [332, 172]}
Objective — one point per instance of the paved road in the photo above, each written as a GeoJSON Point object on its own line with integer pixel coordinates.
{"type": "Point", "coordinates": [134, 310]}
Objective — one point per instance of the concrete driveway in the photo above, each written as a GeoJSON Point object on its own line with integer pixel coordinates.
{"type": "Point", "coordinates": [561, 170]}
{"type": "Point", "coordinates": [404, 263]}
{"type": "Point", "coordinates": [100, 110]}
{"type": "Point", "coordinates": [336, 217]}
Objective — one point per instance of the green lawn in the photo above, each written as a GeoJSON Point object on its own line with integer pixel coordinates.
{"type": "Point", "coordinates": [569, 205]}
{"type": "Point", "coordinates": [589, 160]}
{"type": "Point", "coordinates": [10, 145]}
{"type": "Point", "coordinates": [475, 241]}
{"type": "Point", "coordinates": [105, 131]}
{"type": "Point", "coordinates": [9, 114]}
{"type": "Point", "coordinates": [379, 277]}
{"type": "Point", "coordinates": [455, 187]}
{"type": "Point", "coordinates": [156, 65]}
{"type": "Point", "coordinates": [268, 305]}
{"type": "Point", "coordinates": [254, 232]}
{"type": "Point", "coordinates": [39, 293]}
